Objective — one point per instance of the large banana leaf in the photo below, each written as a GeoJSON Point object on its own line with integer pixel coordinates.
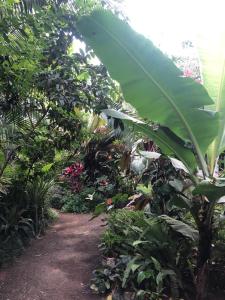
{"type": "Point", "coordinates": [212, 56]}
{"type": "Point", "coordinates": [150, 81]}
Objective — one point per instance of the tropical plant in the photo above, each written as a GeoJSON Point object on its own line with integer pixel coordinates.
{"type": "Point", "coordinates": [72, 175]}
{"type": "Point", "coordinates": [45, 92]}
{"type": "Point", "coordinates": [75, 202]}
{"type": "Point", "coordinates": [37, 196]}
{"type": "Point", "coordinates": [78, 202]}
{"type": "Point", "coordinates": [144, 256]}
{"type": "Point", "coordinates": [169, 188]}
{"type": "Point", "coordinates": [189, 117]}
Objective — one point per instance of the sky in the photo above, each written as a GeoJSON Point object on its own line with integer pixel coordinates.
{"type": "Point", "coordinates": [169, 22]}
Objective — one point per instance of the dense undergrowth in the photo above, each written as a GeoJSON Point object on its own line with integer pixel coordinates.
{"type": "Point", "coordinates": [144, 256]}
{"type": "Point", "coordinates": [48, 95]}
{"type": "Point", "coordinates": [65, 144]}
{"type": "Point", "coordinates": [25, 214]}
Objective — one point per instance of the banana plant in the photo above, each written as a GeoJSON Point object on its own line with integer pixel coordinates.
{"type": "Point", "coordinates": [190, 117]}
{"type": "Point", "coordinates": [212, 58]}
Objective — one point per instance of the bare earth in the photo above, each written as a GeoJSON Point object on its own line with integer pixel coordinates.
{"type": "Point", "coordinates": [58, 266]}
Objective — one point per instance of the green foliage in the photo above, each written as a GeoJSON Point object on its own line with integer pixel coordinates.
{"type": "Point", "coordinates": [170, 192]}
{"type": "Point", "coordinates": [37, 196]}
{"type": "Point", "coordinates": [82, 202]}
{"type": "Point", "coordinates": [188, 119]}
{"type": "Point", "coordinates": [45, 89]}
{"type": "Point", "coordinates": [143, 275]}
{"type": "Point", "coordinates": [147, 255]}
{"type": "Point", "coordinates": [211, 53]}
{"type": "Point", "coordinates": [120, 200]}
{"type": "Point", "coordinates": [74, 203]}
{"type": "Point", "coordinates": [24, 213]}
{"type": "Point", "coordinates": [145, 73]}
{"type": "Point", "coordinates": [57, 197]}
{"type": "Point", "coordinates": [52, 215]}
{"type": "Point", "coordinates": [16, 232]}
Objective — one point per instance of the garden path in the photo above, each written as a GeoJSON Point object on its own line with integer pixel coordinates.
{"type": "Point", "coordinates": [58, 266]}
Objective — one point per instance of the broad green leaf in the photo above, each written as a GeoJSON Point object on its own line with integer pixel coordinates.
{"type": "Point", "coordinates": [213, 191]}
{"type": "Point", "coordinates": [211, 48]}
{"type": "Point", "coordinates": [150, 81]}
{"type": "Point", "coordinates": [83, 76]}
{"type": "Point", "coordinates": [145, 190]}
{"type": "Point", "coordinates": [180, 201]}
{"type": "Point", "coordinates": [134, 267]}
{"type": "Point", "coordinates": [138, 242]}
{"type": "Point", "coordinates": [156, 263]}
{"type": "Point", "coordinates": [47, 167]}
{"type": "Point", "coordinates": [181, 227]}
{"type": "Point", "coordinates": [128, 270]}
{"type": "Point", "coordinates": [159, 278]}
{"type": "Point", "coordinates": [142, 276]}
{"type": "Point", "coordinates": [99, 209]}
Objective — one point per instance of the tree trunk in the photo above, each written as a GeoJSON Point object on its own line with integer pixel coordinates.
{"type": "Point", "coordinates": [204, 254]}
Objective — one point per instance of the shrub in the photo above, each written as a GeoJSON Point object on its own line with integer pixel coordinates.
{"type": "Point", "coordinates": [72, 175]}
{"type": "Point", "coordinates": [24, 213]}
{"type": "Point", "coordinates": [57, 198]}
{"type": "Point", "coordinates": [146, 255]}
{"type": "Point", "coordinates": [74, 202]}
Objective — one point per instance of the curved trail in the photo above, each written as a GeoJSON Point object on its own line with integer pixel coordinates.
{"type": "Point", "coordinates": [58, 266]}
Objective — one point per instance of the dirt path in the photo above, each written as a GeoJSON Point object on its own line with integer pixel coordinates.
{"type": "Point", "coordinates": [58, 266]}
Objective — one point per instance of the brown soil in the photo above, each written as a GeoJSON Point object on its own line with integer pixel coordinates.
{"type": "Point", "coordinates": [58, 266]}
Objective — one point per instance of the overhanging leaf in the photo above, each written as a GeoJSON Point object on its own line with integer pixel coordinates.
{"type": "Point", "coordinates": [120, 115]}
{"type": "Point", "coordinates": [150, 81]}
{"type": "Point", "coordinates": [142, 276]}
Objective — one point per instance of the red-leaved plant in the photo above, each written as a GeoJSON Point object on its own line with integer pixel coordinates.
{"type": "Point", "coordinates": [72, 175]}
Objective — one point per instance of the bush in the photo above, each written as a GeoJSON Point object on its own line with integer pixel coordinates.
{"type": "Point", "coordinates": [24, 213]}
{"type": "Point", "coordinates": [15, 234]}
{"type": "Point", "coordinates": [146, 255]}
{"type": "Point", "coordinates": [74, 202]}
{"type": "Point", "coordinates": [57, 198]}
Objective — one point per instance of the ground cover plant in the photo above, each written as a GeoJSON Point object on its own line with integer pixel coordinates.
{"type": "Point", "coordinates": [146, 256]}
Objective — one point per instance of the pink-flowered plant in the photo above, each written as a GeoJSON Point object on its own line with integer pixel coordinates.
{"type": "Point", "coordinates": [189, 73]}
